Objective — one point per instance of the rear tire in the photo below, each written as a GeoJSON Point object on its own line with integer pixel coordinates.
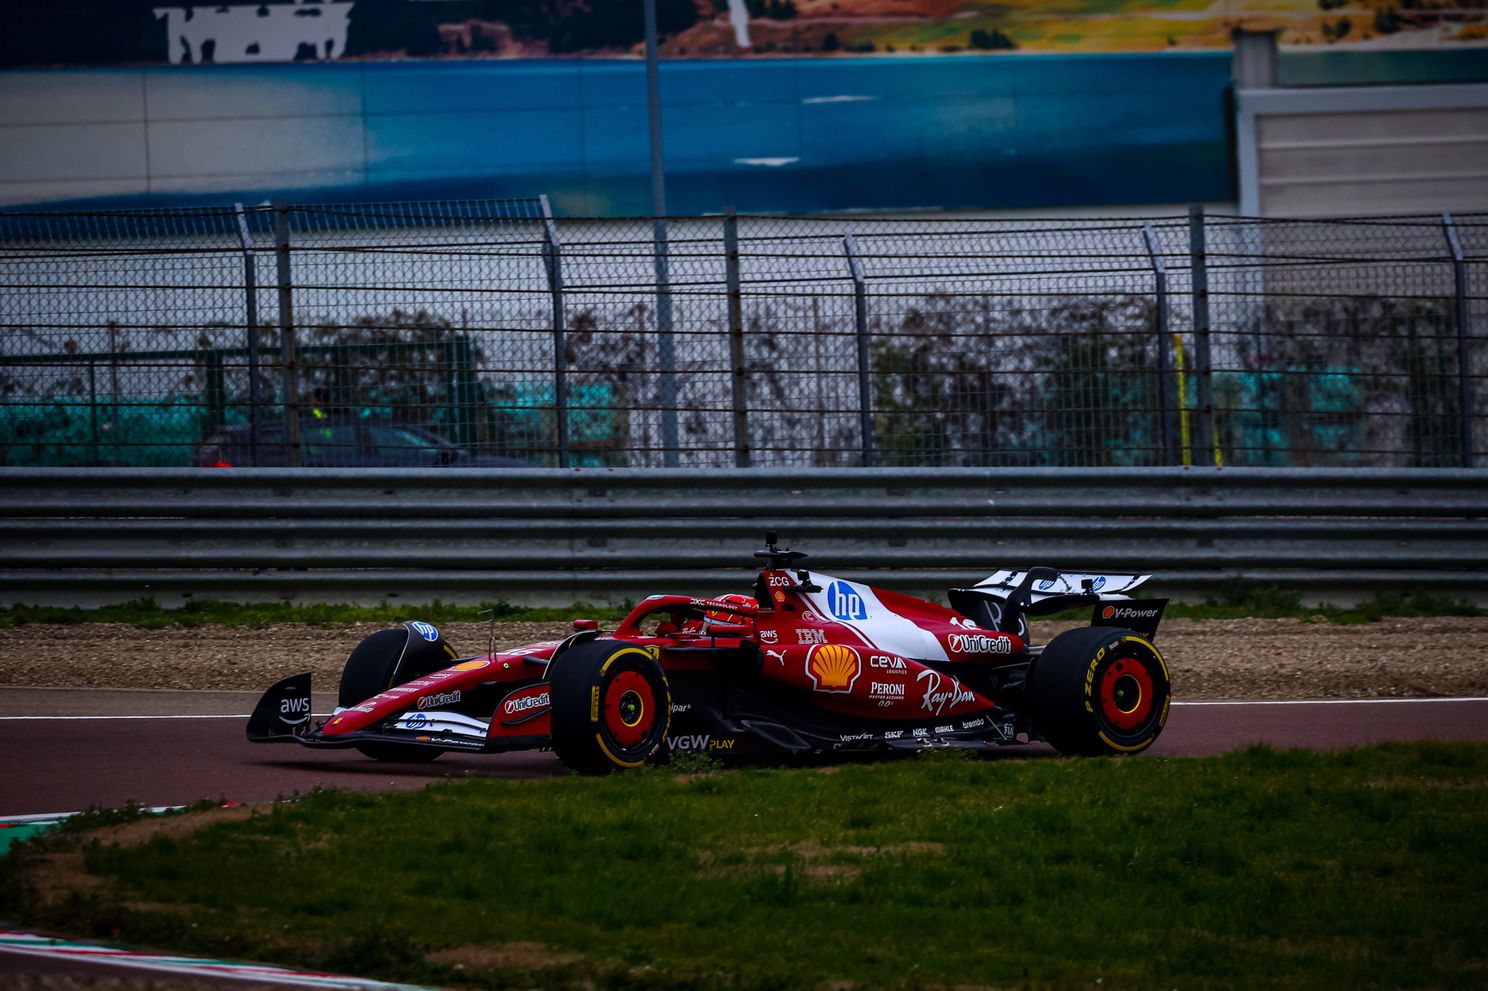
{"type": "Point", "coordinates": [370, 669]}
{"type": "Point", "coordinates": [611, 706]}
{"type": "Point", "coordinates": [1099, 691]}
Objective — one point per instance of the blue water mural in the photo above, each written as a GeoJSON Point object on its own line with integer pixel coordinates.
{"type": "Point", "coordinates": [790, 135]}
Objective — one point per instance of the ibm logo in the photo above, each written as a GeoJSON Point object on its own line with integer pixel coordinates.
{"type": "Point", "coordinates": [844, 603]}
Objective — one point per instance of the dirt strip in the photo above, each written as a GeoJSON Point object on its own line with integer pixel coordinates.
{"type": "Point", "coordinates": [1212, 659]}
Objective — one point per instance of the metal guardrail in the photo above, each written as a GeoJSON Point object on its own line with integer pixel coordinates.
{"type": "Point", "coordinates": [549, 535]}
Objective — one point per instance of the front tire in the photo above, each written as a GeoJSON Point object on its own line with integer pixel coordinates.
{"type": "Point", "coordinates": [1099, 691]}
{"type": "Point", "coordinates": [370, 669]}
{"type": "Point", "coordinates": [611, 706]}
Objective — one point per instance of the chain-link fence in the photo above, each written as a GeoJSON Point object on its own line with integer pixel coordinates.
{"type": "Point", "coordinates": [489, 333]}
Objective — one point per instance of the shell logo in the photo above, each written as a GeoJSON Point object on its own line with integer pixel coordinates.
{"type": "Point", "coordinates": [471, 665]}
{"type": "Point", "coordinates": [833, 667]}
{"type": "Point", "coordinates": [1108, 612]}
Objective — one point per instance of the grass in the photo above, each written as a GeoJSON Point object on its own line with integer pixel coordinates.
{"type": "Point", "coordinates": [1236, 600]}
{"type": "Point", "coordinates": [1240, 599]}
{"type": "Point", "coordinates": [1365, 868]}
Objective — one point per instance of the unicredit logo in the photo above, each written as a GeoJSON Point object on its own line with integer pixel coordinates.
{"type": "Point", "coordinates": [514, 706]}
{"type": "Point", "coordinates": [976, 643]}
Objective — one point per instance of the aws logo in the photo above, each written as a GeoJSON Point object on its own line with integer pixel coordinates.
{"type": "Point", "coordinates": [294, 711]}
{"type": "Point", "coordinates": [833, 667]}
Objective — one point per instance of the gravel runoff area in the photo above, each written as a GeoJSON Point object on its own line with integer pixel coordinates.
{"type": "Point", "coordinates": [1209, 659]}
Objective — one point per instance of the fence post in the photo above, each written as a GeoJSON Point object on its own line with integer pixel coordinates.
{"type": "Point", "coordinates": [860, 319]}
{"type": "Point", "coordinates": [287, 332]}
{"type": "Point", "coordinates": [736, 337]}
{"type": "Point", "coordinates": [216, 390]}
{"type": "Point", "coordinates": [250, 287]}
{"type": "Point", "coordinates": [466, 393]}
{"type": "Point", "coordinates": [113, 420]}
{"type": "Point", "coordinates": [1464, 359]}
{"type": "Point", "coordinates": [666, 354]}
{"type": "Point", "coordinates": [1164, 341]}
{"type": "Point", "coordinates": [451, 388]}
{"type": "Point", "coordinates": [553, 263]}
{"type": "Point", "coordinates": [1203, 370]}
{"type": "Point", "coordinates": [93, 407]}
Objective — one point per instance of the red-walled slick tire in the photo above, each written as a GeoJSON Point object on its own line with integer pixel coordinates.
{"type": "Point", "coordinates": [611, 706]}
{"type": "Point", "coordinates": [1099, 691]}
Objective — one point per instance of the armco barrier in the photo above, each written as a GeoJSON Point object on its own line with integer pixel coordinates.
{"type": "Point", "coordinates": [93, 535]}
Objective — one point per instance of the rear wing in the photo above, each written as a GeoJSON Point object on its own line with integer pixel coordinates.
{"type": "Point", "coordinates": [1048, 583]}
{"type": "Point", "coordinates": [1004, 600]}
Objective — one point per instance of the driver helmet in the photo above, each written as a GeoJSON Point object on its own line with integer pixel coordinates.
{"type": "Point", "coordinates": [734, 597]}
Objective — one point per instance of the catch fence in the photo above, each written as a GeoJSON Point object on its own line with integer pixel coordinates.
{"type": "Point", "coordinates": [463, 333]}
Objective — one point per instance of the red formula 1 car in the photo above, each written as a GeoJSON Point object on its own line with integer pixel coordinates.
{"type": "Point", "coordinates": [808, 664]}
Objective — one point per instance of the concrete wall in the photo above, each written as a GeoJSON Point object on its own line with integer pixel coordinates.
{"type": "Point", "coordinates": [1355, 151]}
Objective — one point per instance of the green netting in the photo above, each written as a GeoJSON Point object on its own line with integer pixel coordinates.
{"type": "Point", "coordinates": [596, 423]}
{"type": "Point", "coordinates": [1291, 417]}
{"type": "Point", "coordinates": [69, 431]}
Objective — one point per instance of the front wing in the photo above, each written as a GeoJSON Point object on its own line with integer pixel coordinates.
{"type": "Point", "coordinates": [283, 715]}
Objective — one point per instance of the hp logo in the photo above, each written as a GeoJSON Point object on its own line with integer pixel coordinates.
{"type": "Point", "coordinates": [426, 631]}
{"type": "Point", "coordinates": [844, 603]}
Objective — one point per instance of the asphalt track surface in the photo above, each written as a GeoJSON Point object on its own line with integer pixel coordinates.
{"type": "Point", "coordinates": [64, 750]}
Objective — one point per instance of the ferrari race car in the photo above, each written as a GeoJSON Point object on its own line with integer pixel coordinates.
{"type": "Point", "coordinates": [807, 664]}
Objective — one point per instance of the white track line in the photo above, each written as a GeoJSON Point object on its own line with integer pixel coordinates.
{"type": "Point", "coordinates": [30, 944]}
{"type": "Point", "coordinates": [318, 715]}
{"type": "Point", "coordinates": [1339, 701]}
{"type": "Point", "coordinates": [74, 718]}
{"type": "Point", "coordinates": [49, 816]}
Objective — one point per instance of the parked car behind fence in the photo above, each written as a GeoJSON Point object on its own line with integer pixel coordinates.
{"type": "Point", "coordinates": [339, 441]}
